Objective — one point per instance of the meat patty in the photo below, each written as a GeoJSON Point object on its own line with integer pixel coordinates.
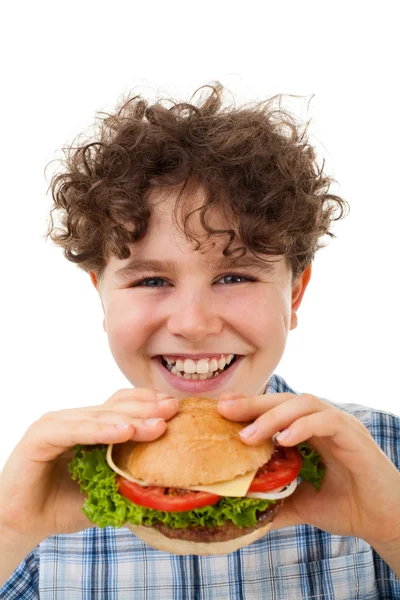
{"type": "Point", "coordinates": [218, 533]}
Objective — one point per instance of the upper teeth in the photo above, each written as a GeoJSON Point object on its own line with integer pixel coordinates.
{"type": "Point", "coordinates": [204, 365]}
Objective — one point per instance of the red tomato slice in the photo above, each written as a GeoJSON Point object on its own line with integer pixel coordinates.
{"type": "Point", "coordinates": [157, 497]}
{"type": "Point", "coordinates": [281, 469]}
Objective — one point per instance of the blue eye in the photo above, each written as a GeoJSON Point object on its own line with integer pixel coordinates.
{"type": "Point", "coordinates": [231, 277]}
{"type": "Point", "coordinates": [158, 282]}
{"type": "Point", "coordinates": [149, 282]}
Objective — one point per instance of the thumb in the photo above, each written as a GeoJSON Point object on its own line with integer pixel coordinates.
{"type": "Point", "coordinates": [231, 395]}
{"type": "Point", "coordinates": [287, 516]}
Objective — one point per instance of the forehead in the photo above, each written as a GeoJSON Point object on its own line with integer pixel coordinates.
{"type": "Point", "coordinates": [166, 247]}
{"type": "Point", "coordinates": [179, 208]}
{"type": "Point", "coordinates": [175, 225]}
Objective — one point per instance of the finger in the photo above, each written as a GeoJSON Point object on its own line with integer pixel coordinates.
{"type": "Point", "coordinates": [250, 407]}
{"type": "Point", "coordinates": [45, 441]}
{"type": "Point", "coordinates": [281, 417]}
{"type": "Point", "coordinates": [230, 396]}
{"type": "Point", "coordinates": [147, 430]}
{"type": "Point", "coordinates": [125, 396]}
{"type": "Point", "coordinates": [165, 408]}
{"type": "Point", "coordinates": [351, 442]}
{"type": "Point", "coordinates": [287, 515]}
{"type": "Point", "coordinates": [142, 394]}
{"type": "Point", "coordinates": [121, 412]}
{"type": "Point", "coordinates": [343, 429]}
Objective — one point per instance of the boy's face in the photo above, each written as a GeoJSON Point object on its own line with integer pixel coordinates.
{"type": "Point", "coordinates": [196, 308]}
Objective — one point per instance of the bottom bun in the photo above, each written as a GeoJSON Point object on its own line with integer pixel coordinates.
{"type": "Point", "coordinates": [157, 540]}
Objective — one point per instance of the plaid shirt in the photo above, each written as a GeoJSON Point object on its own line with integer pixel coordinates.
{"type": "Point", "coordinates": [293, 563]}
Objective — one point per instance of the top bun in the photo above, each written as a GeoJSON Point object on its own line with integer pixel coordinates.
{"type": "Point", "coordinates": [199, 447]}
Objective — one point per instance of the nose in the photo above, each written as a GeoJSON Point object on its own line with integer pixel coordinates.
{"type": "Point", "coordinates": [195, 319]}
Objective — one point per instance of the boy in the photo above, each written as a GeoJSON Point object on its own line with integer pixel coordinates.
{"type": "Point", "coordinates": [198, 225]}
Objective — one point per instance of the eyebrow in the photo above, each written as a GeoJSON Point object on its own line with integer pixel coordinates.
{"type": "Point", "coordinates": [136, 266]}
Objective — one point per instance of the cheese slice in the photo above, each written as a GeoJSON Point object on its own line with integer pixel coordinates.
{"type": "Point", "coordinates": [122, 472]}
{"type": "Point", "coordinates": [236, 488]}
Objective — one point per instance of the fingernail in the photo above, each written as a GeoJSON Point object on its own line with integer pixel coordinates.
{"type": "Point", "coordinates": [151, 422]}
{"type": "Point", "coordinates": [123, 426]}
{"type": "Point", "coordinates": [166, 402]}
{"type": "Point", "coordinates": [283, 435]}
{"type": "Point", "coordinates": [249, 431]}
{"type": "Point", "coordinates": [161, 395]}
{"type": "Point", "coordinates": [227, 402]}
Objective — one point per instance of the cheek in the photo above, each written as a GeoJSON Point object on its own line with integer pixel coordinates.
{"type": "Point", "coordinates": [266, 315]}
{"type": "Point", "coordinates": [128, 325]}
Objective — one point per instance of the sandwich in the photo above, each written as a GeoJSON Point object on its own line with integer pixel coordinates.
{"type": "Point", "coordinates": [198, 489]}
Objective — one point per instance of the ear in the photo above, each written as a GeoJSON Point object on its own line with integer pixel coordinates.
{"type": "Point", "coordinates": [299, 287]}
{"type": "Point", "coordinates": [95, 282]}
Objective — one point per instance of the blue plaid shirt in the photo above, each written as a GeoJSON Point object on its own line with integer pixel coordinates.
{"type": "Point", "coordinates": [293, 563]}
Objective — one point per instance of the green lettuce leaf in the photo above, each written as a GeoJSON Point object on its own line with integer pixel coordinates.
{"type": "Point", "coordinates": [104, 505]}
{"type": "Point", "coordinates": [312, 469]}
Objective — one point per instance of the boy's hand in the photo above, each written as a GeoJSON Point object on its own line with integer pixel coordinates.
{"type": "Point", "coordinates": [38, 498]}
{"type": "Point", "coordinates": [360, 492]}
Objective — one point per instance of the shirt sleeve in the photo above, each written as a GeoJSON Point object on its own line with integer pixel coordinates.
{"type": "Point", "coordinates": [24, 582]}
{"type": "Point", "coordinates": [385, 428]}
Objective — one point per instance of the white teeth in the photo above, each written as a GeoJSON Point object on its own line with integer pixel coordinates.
{"type": "Point", "coordinates": [194, 376]}
{"type": "Point", "coordinates": [174, 371]}
{"type": "Point", "coordinates": [204, 366]}
{"type": "Point", "coordinates": [179, 365]}
{"type": "Point", "coordinates": [213, 365]}
{"type": "Point", "coordinates": [189, 366]}
{"type": "Point", "coordinates": [221, 363]}
{"type": "Point", "coordinates": [191, 376]}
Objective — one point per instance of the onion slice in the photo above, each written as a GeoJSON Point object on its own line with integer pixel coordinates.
{"type": "Point", "coordinates": [274, 495]}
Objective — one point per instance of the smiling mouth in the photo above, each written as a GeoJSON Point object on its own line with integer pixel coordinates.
{"type": "Point", "coordinates": [212, 367]}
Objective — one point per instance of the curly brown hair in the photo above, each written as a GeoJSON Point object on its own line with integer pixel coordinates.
{"type": "Point", "coordinates": [253, 162]}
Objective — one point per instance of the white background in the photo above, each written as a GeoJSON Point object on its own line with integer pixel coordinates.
{"type": "Point", "coordinates": [61, 62]}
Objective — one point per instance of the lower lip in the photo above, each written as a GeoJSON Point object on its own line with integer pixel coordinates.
{"type": "Point", "coordinates": [198, 386]}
